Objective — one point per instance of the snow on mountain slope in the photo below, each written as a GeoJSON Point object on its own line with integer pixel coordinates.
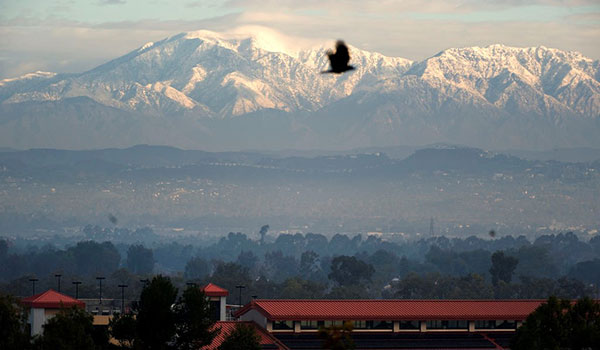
{"type": "Point", "coordinates": [218, 74]}
{"type": "Point", "coordinates": [255, 78]}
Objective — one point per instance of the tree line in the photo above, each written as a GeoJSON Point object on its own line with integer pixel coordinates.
{"type": "Point", "coordinates": [439, 267]}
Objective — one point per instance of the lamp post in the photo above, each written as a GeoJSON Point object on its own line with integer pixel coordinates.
{"type": "Point", "coordinates": [191, 284]}
{"type": "Point", "coordinates": [145, 282]}
{"type": "Point", "coordinates": [240, 287]}
{"type": "Point", "coordinates": [58, 275]}
{"type": "Point", "coordinates": [33, 280]}
{"type": "Point", "coordinates": [122, 286]}
{"type": "Point", "coordinates": [100, 282]}
{"type": "Point", "coordinates": [76, 283]}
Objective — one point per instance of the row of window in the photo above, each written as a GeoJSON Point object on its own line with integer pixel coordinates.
{"type": "Point", "coordinates": [406, 325]}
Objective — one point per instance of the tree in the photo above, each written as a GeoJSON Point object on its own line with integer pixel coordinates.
{"type": "Point", "coordinates": [196, 269]}
{"type": "Point", "coordinates": [12, 324]}
{"type": "Point", "coordinates": [243, 337]}
{"type": "Point", "coordinates": [123, 329]}
{"type": "Point", "coordinates": [247, 259]}
{"type": "Point", "coordinates": [337, 337]}
{"type": "Point", "coordinates": [92, 257]}
{"type": "Point", "coordinates": [279, 266]}
{"type": "Point", "coordinates": [557, 324]}
{"type": "Point", "coordinates": [70, 328]}
{"type": "Point", "coordinates": [156, 319]}
{"type": "Point", "coordinates": [502, 267]}
{"type": "Point", "coordinates": [263, 232]}
{"type": "Point", "coordinates": [348, 270]}
{"type": "Point", "coordinates": [193, 323]}
{"type": "Point", "coordinates": [229, 275]}
{"type": "Point", "coordinates": [140, 260]}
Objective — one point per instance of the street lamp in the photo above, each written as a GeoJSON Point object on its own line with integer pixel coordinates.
{"type": "Point", "coordinates": [122, 286]}
{"type": "Point", "coordinates": [33, 280]}
{"type": "Point", "coordinates": [145, 282]}
{"type": "Point", "coordinates": [100, 282]}
{"type": "Point", "coordinates": [240, 287]}
{"type": "Point", "coordinates": [58, 275]}
{"type": "Point", "coordinates": [191, 284]}
{"type": "Point", "coordinates": [76, 283]}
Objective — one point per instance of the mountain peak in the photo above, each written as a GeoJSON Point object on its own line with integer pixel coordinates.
{"type": "Point", "coordinates": [260, 37]}
{"type": "Point", "coordinates": [254, 75]}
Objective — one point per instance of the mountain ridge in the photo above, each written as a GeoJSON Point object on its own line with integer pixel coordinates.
{"type": "Point", "coordinates": [487, 97]}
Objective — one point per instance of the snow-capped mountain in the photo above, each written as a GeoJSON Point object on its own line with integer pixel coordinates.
{"type": "Point", "coordinates": [256, 88]}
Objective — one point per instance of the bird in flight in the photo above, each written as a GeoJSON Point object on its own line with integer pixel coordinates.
{"type": "Point", "coordinates": [339, 60]}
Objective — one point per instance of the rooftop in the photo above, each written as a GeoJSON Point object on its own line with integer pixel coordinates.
{"type": "Point", "coordinates": [51, 299]}
{"type": "Point", "coordinates": [267, 341]}
{"type": "Point", "coordinates": [212, 290]}
{"type": "Point", "coordinates": [294, 309]}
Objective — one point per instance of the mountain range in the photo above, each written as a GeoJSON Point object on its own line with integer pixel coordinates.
{"type": "Point", "coordinates": [255, 90]}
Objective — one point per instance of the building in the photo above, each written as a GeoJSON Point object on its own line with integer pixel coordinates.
{"type": "Point", "coordinates": [44, 306]}
{"type": "Point", "coordinates": [393, 324]}
{"type": "Point", "coordinates": [267, 340]}
{"type": "Point", "coordinates": [217, 297]}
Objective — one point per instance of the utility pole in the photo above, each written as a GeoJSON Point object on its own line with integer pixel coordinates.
{"type": "Point", "coordinates": [122, 286]}
{"type": "Point", "coordinates": [100, 282]}
{"type": "Point", "coordinates": [76, 283]}
{"type": "Point", "coordinates": [240, 287]}
{"type": "Point", "coordinates": [58, 275]}
{"type": "Point", "coordinates": [33, 280]}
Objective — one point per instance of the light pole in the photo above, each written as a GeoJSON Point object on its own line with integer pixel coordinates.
{"type": "Point", "coordinates": [191, 284]}
{"type": "Point", "coordinates": [100, 282]}
{"type": "Point", "coordinates": [145, 282]}
{"type": "Point", "coordinates": [240, 287]}
{"type": "Point", "coordinates": [33, 280]}
{"type": "Point", "coordinates": [122, 286]}
{"type": "Point", "coordinates": [76, 283]}
{"type": "Point", "coordinates": [58, 275]}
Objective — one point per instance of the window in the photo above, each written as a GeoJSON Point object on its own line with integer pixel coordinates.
{"type": "Point", "coordinates": [333, 323]}
{"type": "Point", "coordinates": [447, 324]}
{"type": "Point", "coordinates": [215, 310]}
{"type": "Point", "coordinates": [309, 324]}
{"type": "Point", "coordinates": [360, 324]}
{"type": "Point", "coordinates": [496, 324]}
{"type": "Point", "coordinates": [283, 325]}
{"type": "Point", "coordinates": [382, 325]}
{"type": "Point", "coordinates": [410, 325]}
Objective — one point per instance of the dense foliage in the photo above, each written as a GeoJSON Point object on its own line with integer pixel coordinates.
{"type": "Point", "coordinates": [243, 337]}
{"type": "Point", "coordinates": [315, 266]}
{"type": "Point", "coordinates": [560, 324]}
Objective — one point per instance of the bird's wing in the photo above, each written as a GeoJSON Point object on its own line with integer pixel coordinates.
{"type": "Point", "coordinates": [341, 51]}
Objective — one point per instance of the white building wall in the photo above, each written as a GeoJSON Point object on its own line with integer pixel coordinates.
{"type": "Point", "coordinates": [253, 315]}
{"type": "Point", "coordinates": [223, 309]}
{"type": "Point", "coordinates": [37, 319]}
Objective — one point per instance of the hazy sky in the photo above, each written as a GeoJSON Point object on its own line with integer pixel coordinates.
{"type": "Point", "coordinates": [73, 36]}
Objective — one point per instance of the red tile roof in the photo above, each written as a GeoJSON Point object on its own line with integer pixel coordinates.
{"type": "Point", "coordinates": [393, 309]}
{"type": "Point", "coordinates": [228, 326]}
{"type": "Point", "coordinates": [212, 290]}
{"type": "Point", "coordinates": [51, 299]}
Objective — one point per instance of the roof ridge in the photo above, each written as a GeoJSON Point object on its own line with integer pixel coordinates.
{"type": "Point", "coordinates": [399, 300]}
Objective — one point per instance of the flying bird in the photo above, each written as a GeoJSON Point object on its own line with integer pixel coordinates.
{"type": "Point", "coordinates": [339, 60]}
{"type": "Point", "coordinates": [113, 219]}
